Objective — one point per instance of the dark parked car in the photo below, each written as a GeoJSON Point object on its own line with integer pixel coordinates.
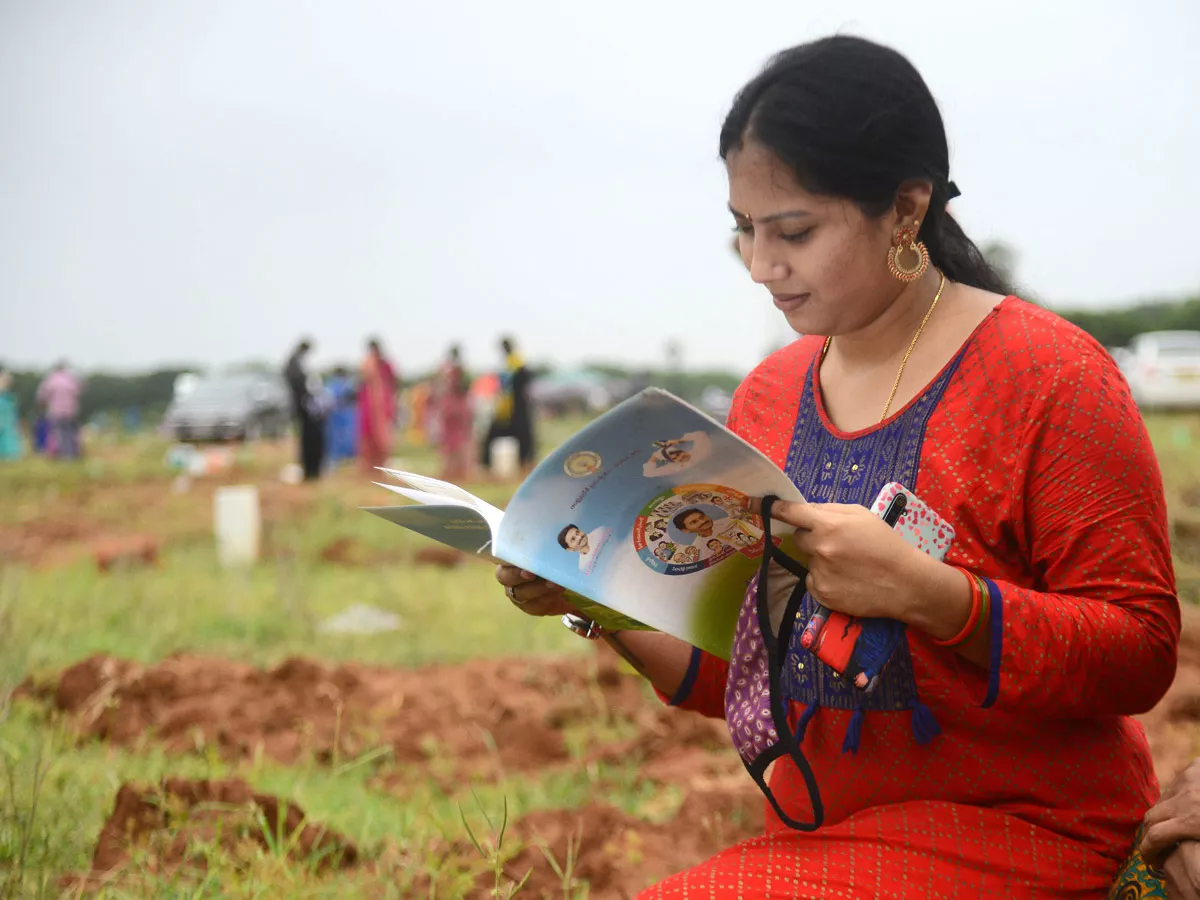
{"type": "Point", "coordinates": [579, 391]}
{"type": "Point", "coordinates": [230, 408]}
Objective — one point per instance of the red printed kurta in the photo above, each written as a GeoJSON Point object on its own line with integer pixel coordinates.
{"type": "Point", "coordinates": [1038, 457]}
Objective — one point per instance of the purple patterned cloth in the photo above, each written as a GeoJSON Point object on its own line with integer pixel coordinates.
{"type": "Point", "coordinates": [748, 689]}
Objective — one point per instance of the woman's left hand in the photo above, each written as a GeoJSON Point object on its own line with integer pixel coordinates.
{"type": "Point", "coordinates": [857, 565]}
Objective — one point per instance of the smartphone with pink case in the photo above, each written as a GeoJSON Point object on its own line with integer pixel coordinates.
{"type": "Point", "coordinates": [918, 524]}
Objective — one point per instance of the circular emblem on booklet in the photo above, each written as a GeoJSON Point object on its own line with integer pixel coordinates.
{"type": "Point", "coordinates": [693, 526]}
{"type": "Point", "coordinates": [582, 464]}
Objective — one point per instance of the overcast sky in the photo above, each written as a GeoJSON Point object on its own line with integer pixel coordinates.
{"type": "Point", "coordinates": [205, 180]}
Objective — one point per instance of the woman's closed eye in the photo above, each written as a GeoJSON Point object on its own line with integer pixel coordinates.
{"type": "Point", "coordinates": [798, 237]}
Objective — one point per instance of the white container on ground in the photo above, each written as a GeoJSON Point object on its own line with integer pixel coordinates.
{"type": "Point", "coordinates": [237, 525]}
{"type": "Point", "coordinates": [506, 457]}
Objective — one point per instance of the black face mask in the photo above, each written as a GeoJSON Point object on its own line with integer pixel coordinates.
{"type": "Point", "coordinates": [755, 708]}
{"type": "Point", "coordinates": [756, 698]}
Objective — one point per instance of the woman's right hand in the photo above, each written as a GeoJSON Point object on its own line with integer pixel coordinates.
{"type": "Point", "coordinates": [531, 594]}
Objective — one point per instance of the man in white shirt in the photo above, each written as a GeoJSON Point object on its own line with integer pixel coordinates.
{"type": "Point", "coordinates": [588, 545]}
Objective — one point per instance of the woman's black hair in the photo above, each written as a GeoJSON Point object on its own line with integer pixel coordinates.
{"type": "Point", "coordinates": [854, 119]}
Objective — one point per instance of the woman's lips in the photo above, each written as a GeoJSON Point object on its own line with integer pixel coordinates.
{"type": "Point", "coordinates": [790, 302]}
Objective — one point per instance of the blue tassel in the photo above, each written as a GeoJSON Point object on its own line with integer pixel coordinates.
{"type": "Point", "coordinates": [805, 718]}
{"type": "Point", "coordinates": [924, 725]}
{"type": "Point", "coordinates": [853, 733]}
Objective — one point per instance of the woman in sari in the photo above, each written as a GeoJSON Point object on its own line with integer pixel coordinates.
{"type": "Point", "coordinates": [997, 756]}
{"type": "Point", "coordinates": [376, 408]}
{"type": "Point", "coordinates": [452, 408]}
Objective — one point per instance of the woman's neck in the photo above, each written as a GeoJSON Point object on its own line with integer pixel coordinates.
{"type": "Point", "coordinates": [890, 333]}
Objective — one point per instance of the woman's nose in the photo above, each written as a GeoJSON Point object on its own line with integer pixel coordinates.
{"type": "Point", "coordinates": [765, 267]}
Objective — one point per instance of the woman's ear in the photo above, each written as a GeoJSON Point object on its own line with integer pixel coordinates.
{"type": "Point", "coordinates": [912, 202]}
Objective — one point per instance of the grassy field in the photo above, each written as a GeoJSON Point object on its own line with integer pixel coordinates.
{"type": "Point", "coordinates": [415, 830]}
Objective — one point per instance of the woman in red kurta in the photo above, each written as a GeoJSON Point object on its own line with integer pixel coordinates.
{"type": "Point", "coordinates": [1014, 426]}
{"type": "Point", "coordinates": [1031, 448]}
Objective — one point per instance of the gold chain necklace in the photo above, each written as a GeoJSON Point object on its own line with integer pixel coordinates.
{"type": "Point", "coordinates": [907, 353]}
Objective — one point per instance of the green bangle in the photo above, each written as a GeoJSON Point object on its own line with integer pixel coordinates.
{"type": "Point", "coordinates": [985, 610]}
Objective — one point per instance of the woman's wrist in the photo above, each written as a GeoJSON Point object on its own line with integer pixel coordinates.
{"type": "Point", "coordinates": [939, 599]}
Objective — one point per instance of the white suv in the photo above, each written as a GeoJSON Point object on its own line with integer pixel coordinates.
{"type": "Point", "coordinates": [1163, 369]}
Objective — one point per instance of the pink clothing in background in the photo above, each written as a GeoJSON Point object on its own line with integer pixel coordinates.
{"type": "Point", "coordinates": [60, 395]}
{"type": "Point", "coordinates": [376, 411]}
{"type": "Point", "coordinates": [453, 408]}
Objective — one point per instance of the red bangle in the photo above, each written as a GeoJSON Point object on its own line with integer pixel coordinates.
{"type": "Point", "coordinates": [973, 619]}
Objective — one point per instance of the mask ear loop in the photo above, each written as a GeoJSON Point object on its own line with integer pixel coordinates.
{"type": "Point", "coordinates": [776, 647]}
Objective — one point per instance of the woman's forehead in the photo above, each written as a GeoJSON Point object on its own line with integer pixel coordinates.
{"type": "Point", "coordinates": [761, 186]}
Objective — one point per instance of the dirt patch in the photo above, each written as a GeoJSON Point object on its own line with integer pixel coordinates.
{"type": "Point", "coordinates": [483, 718]}
{"type": "Point", "coordinates": [62, 529]}
{"type": "Point", "coordinates": [677, 749]}
{"type": "Point", "coordinates": [619, 855]}
{"type": "Point", "coordinates": [479, 720]}
{"type": "Point", "coordinates": [181, 824]}
{"type": "Point", "coordinates": [1191, 496]}
{"type": "Point", "coordinates": [1185, 535]}
{"type": "Point", "coordinates": [348, 551]}
{"type": "Point", "coordinates": [46, 541]}
{"type": "Point", "coordinates": [128, 550]}
{"type": "Point", "coordinates": [442, 557]}
{"type": "Point", "coordinates": [167, 826]}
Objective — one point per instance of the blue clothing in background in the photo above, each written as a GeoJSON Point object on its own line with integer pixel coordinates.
{"type": "Point", "coordinates": [341, 425]}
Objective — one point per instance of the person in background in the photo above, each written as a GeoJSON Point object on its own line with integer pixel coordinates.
{"type": "Point", "coordinates": [41, 433]}
{"type": "Point", "coordinates": [10, 420]}
{"type": "Point", "coordinates": [341, 426]}
{"type": "Point", "coordinates": [422, 423]}
{"type": "Point", "coordinates": [376, 408]}
{"type": "Point", "coordinates": [455, 418]}
{"type": "Point", "coordinates": [59, 394]}
{"type": "Point", "coordinates": [306, 412]}
{"type": "Point", "coordinates": [513, 415]}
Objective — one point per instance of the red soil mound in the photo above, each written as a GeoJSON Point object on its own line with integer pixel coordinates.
{"type": "Point", "coordinates": [619, 855]}
{"type": "Point", "coordinates": [165, 825]}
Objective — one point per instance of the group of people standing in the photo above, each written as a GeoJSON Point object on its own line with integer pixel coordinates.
{"type": "Point", "coordinates": [343, 418]}
{"type": "Point", "coordinates": [346, 417]}
{"type": "Point", "coordinates": [56, 430]}
{"type": "Point", "coordinates": [451, 413]}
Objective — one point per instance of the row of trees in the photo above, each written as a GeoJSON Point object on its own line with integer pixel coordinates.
{"type": "Point", "coordinates": [147, 392]}
{"type": "Point", "coordinates": [1117, 327]}
{"type": "Point", "coordinates": [150, 392]}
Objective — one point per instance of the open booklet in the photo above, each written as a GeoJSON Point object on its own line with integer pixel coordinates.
{"type": "Point", "coordinates": [644, 516]}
